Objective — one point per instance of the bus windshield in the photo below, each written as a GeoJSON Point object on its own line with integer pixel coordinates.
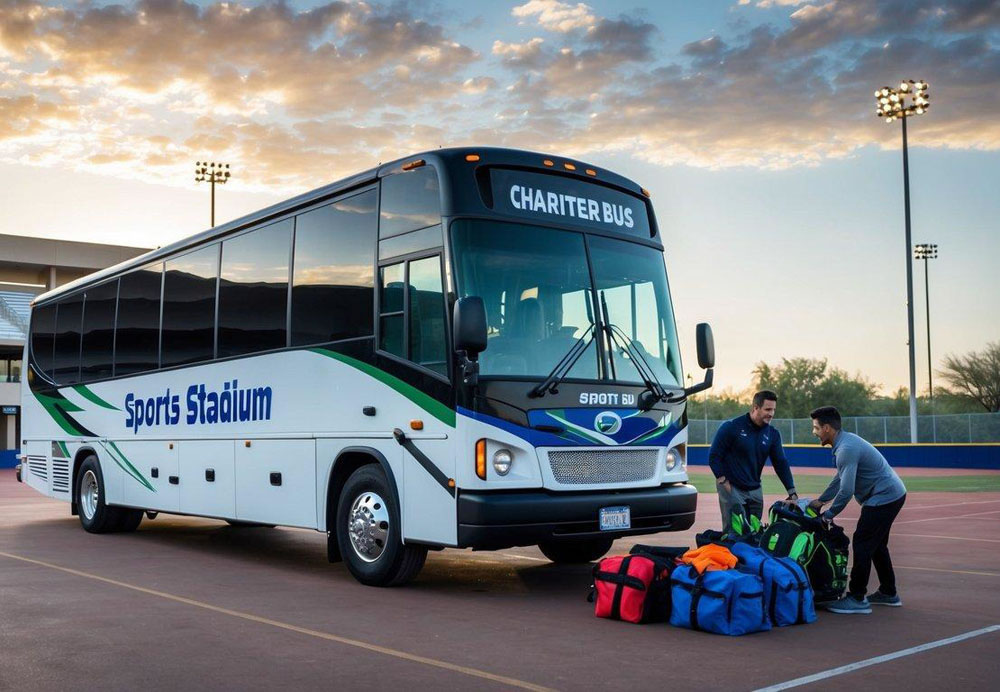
{"type": "Point", "coordinates": [540, 298]}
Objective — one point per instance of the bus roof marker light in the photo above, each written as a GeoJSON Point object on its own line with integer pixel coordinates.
{"type": "Point", "coordinates": [569, 166]}
{"type": "Point", "coordinates": [591, 171]}
{"type": "Point", "coordinates": [472, 157]}
{"type": "Point", "coordinates": [645, 192]}
{"type": "Point", "coordinates": [548, 162]}
{"type": "Point", "coordinates": [410, 165]}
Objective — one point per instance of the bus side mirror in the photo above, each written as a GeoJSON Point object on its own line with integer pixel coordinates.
{"type": "Point", "coordinates": [706, 358]}
{"type": "Point", "coordinates": [706, 346]}
{"type": "Point", "coordinates": [470, 326]}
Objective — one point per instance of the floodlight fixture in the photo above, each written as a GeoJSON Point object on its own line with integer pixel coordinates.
{"type": "Point", "coordinates": [213, 173]}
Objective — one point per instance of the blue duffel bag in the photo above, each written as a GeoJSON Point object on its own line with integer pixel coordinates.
{"type": "Point", "coordinates": [788, 596]}
{"type": "Point", "coordinates": [721, 601]}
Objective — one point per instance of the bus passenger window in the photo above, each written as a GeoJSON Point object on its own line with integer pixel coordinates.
{"type": "Point", "coordinates": [66, 365]}
{"type": "Point", "coordinates": [333, 286]}
{"type": "Point", "coordinates": [410, 200]}
{"type": "Point", "coordinates": [253, 290]}
{"type": "Point", "coordinates": [189, 307]}
{"type": "Point", "coordinates": [43, 328]}
{"type": "Point", "coordinates": [137, 331]}
{"type": "Point", "coordinates": [98, 332]}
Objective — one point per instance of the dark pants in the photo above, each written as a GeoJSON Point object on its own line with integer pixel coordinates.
{"type": "Point", "coordinates": [871, 546]}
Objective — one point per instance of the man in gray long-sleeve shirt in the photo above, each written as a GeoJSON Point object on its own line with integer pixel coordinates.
{"type": "Point", "coordinates": [863, 472]}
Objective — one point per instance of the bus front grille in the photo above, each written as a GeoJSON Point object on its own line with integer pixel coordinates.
{"type": "Point", "coordinates": [587, 467]}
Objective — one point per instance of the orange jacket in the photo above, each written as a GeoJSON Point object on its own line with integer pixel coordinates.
{"type": "Point", "coordinates": [710, 557]}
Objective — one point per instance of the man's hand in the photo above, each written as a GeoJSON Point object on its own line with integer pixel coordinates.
{"type": "Point", "coordinates": [724, 483]}
{"type": "Point", "coordinates": [792, 499]}
{"type": "Point", "coordinates": [816, 506]}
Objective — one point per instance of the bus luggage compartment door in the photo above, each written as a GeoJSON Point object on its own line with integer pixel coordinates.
{"type": "Point", "coordinates": [276, 482]}
{"type": "Point", "coordinates": [199, 495]}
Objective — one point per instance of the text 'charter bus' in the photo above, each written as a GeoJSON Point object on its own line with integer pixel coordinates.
{"type": "Point", "coordinates": [467, 348]}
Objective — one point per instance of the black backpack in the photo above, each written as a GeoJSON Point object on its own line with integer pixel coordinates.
{"type": "Point", "coordinates": [823, 550]}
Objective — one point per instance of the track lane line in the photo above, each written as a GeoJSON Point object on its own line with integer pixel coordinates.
{"type": "Point", "coordinates": [851, 667]}
{"type": "Point", "coordinates": [951, 538]}
{"type": "Point", "coordinates": [413, 658]}
{"type": "Point", "coordinates": [949, 571]}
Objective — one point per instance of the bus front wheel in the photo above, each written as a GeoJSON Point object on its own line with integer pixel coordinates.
{"type": "Point", "coordinates": [368, 531]}
{"type": "Point", "coordinates": [575, 551]}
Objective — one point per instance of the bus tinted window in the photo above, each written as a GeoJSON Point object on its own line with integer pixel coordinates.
{"type": "Point", "coordinates": [427, 333]}
{"type": "Point", "coordinates": [98, 332]}
{"type": "Point", "coordinates": [410, 200]}
{"type": "Point", "coordinates": [333, 284]}
{"type": "Point", "coordinates": [66, 359]}
{"type": "Point", "coordinates": [253, 290]}
{"type": "Point", "coordinates": [137, 332]}
{"type": "Point", "coordinates": [189, 284]}
{"type": "Point", "coordinates": [43, 328]}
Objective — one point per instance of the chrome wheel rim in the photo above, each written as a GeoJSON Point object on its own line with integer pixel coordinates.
{"type": "Point", "coordinates": [90, 494]}
{"type": "Point", "coordinates": [368, 526]}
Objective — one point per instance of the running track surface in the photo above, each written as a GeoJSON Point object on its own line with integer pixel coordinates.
{"type": "Point", "coordinates": [193, 603]}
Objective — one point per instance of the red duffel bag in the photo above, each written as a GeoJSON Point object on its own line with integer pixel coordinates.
{"type": "Point", "coordinates": [634, 588]}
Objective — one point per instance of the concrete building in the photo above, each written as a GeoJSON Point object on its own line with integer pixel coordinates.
{"type": "Point", "coordinates": [30, 267]}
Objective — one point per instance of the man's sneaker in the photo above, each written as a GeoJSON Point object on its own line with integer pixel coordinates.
{"type": "Point", "coordinates": [879, 598]}
{"type": "Point", "coordinates": [849, 605]}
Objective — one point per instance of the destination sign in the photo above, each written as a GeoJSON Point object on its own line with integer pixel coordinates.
{"type": "Point", "coordinates": [566, 201]}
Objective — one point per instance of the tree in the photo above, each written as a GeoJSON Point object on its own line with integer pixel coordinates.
{"type": "Point", "coordinates": [976, 375]}
{"type": "Point", "coordinates": [803, 384]}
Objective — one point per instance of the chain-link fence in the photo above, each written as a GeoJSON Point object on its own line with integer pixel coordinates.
{"type": "Point", "coordinates": [959, 427]}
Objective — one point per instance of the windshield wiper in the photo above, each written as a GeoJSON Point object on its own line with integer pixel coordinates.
{"type": "Point", "coordinates": [563, 367]}
{"type": "Point", "coordinates": [656, 390]}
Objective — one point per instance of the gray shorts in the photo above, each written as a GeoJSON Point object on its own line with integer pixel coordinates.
{"type": "Point", "coordinates": [752, 500]}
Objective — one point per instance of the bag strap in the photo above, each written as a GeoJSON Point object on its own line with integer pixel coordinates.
{"type": "Point", "coordinates": [696, 591]}
{"type": "Point", "coordinates": [616, 602]}
{"type": "Point", "coordinates": [801, 588]}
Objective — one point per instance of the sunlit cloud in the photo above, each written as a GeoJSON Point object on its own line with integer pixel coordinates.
{"type": "Point", "coordinates": [300, 96]}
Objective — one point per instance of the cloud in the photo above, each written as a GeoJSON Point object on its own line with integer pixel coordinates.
{"type": "Point", "coordinates": [297, 97]}
{"type": "Point", "coordinates": [155, 66]}
{"type": "Point", "coordinates": [557, 16]}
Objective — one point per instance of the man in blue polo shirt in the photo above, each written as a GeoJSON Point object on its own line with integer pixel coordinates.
{"type": "Point", "coordinates": [739, 451]}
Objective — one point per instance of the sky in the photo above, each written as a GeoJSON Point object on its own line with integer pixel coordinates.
{"type": "Point", "coordinates": [778, 192]}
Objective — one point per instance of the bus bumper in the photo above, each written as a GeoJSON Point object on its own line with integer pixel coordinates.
{"type": "Point", "coordinates": [490, 521]}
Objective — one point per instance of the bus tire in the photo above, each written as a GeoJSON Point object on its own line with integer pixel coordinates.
{"type": "Point", "coordinates": [96, 516]}
{"type": "Point", "coordinates": [129, 519]}
{"type": "Point", "coordinates": [576, 551]}
{"type": "Point", "coordinates": [368, 531]}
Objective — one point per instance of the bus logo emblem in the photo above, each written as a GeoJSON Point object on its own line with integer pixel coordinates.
{"type": "Point", "coordinates": [607, 422]}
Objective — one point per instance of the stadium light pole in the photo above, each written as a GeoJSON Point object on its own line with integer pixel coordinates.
{"type": "Point", "coordinates": [891, 105]}
{"type": "Point", "coordinates": [213, 173]}
{"type": "Point", "coordinates": [925, 252]}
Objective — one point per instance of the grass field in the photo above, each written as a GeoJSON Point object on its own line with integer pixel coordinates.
{"type": "Point", "coordinates": [813, 485]}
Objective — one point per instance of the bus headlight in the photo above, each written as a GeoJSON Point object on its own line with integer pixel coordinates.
{"type": "Point", "coordinates": [502, 459]}
{"type": "Point", "coordinates": [673, 459]}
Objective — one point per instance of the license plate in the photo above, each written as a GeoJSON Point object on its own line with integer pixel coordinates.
{"type": "Point", "coordinates": [615, 518]}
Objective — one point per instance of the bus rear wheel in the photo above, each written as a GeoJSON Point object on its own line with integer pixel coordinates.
{"type": "Point", "coordinates": [96, 515]}
{"type": "Point", "coordinates": [368, 531]}
{"type": "Point", "coordinates": [576, 551]}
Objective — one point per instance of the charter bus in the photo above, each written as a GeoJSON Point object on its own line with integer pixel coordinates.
{"type": "Point", "coordinates": [465, 348]}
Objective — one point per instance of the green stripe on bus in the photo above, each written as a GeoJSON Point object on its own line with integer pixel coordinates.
{"type": "Point", "coordinates": [64, 449]}
{"type": "Point", "coordinates": [49, 404]}
{"type": "Point", "coordinates": [126, 466]}
{"type": "Point", "coordinates": [427, 403]}
{"type": "Point", "coordinates": [86, 393]}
